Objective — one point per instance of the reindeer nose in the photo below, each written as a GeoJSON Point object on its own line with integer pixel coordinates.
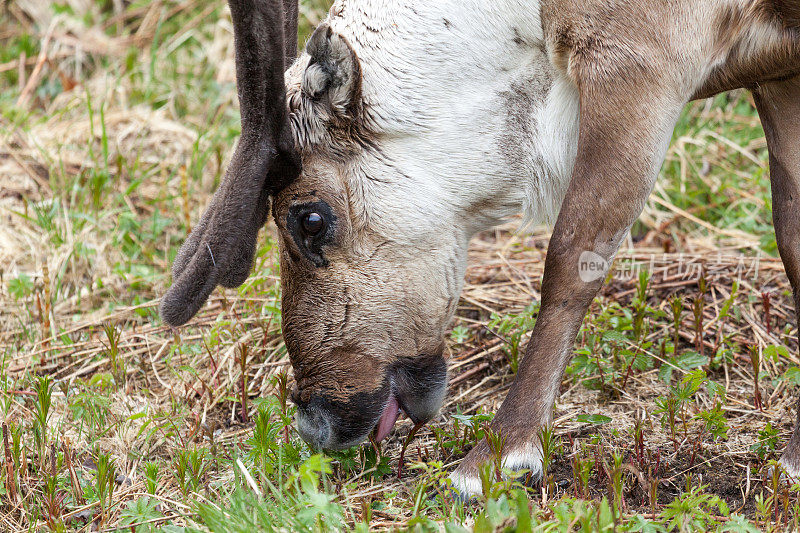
{"type": "Point", "coordinates": [314, 428]}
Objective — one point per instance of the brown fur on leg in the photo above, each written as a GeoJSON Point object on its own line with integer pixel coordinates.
{"type": "Point", "coordinates": [624, 130]}
{"type": "Point", "coordinates": [779, 108]}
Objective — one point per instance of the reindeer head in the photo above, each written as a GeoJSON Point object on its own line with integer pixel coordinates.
{"type": "Point", "coordinates": [371, 269]}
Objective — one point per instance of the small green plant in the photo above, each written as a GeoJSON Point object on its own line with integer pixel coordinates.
{"type": "Point", "coordinates": [764, 506]}
{"type": "Point", "coordinates": [673, 406]}
{"type": "Point", "coordinates": [676, 304]}
{"type": "Point", "coordinates": [429, 493]}
{"type": "Point", "coordinates": [617, 485]}
{"type": "Point", "coordinates": [180, 465]}
{"type": "Point", "coordinates": [582, 469]}
{"type": "Point", "coordinates": [98, 177]}
{"type": "Point", "coordinates": [767, 440]}
{"type": "Point", "coordinates": [640, 303]}
{"type": "Point", "coordinates": [118, 370]}
{"type": "Point", "coordinates": [496, 443]}
{"type": "Point", "coordinates": [716, 423]}
{"type": "Point", "coordinates": [668, 406]}
{"type": "Point", "coordinates": [53, 496]}
{"type": "Point", "coordinates": [267, 451]}
{"type": "Point", "coordinates": [140, 515]}
{"type": "Point", "coordinates": [509, 507]}
{"type": "Point", "coordinates": [281, 384]}
{"type": "Point", "coordinates": [511, 329]}
{"type": "Point", "coordinates": [374, 465]}
{"type": "Point", "coordinates": [91, 407]}
{"type": "Point", "coordinates": [151, 474]}
{"type": "Point", "coordinates": [755, 361]}
{"type": "Point", "coordinates": [460, 334]}
{"type": "Point", "coordinates": [190, 468]}
{"type": "Point", "coordinates": [41, 410]}
{"type": "Point", "coordinates": [550, 446]}
{"type": "Point", "coordinates": [20, 287]}
{"type": "Point", "coordinates": [105, 481]}
{"type": "Point", "coordinates": [694, 510]}
{"type": "Point", "coordinates": [688, 361]}
{"type": "Point", "coordinates": [465, 431]}
{"type": "Point", "coordinates": [611, 350]}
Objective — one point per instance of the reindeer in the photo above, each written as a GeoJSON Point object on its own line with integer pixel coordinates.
{"type": "Point", "coordinates": [407, 126]}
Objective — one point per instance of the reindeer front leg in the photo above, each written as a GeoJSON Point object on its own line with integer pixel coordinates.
{"type": "Point", "coordinates": [625, 128]}
{"type": "Point", "coordinates": [779, 107]}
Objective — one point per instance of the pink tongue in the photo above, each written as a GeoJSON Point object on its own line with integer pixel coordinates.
{"type": "Point", "coordinates": [388, 418]}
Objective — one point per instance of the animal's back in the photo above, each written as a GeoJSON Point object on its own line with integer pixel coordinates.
{"type": "Point", "coordinates": [707, 46]}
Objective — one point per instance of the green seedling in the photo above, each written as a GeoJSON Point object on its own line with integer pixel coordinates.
{"type": "Point", "coordinates": [11, 462]}
{"type": "Point", "coordinates": [406, 442]}
{"type": "Point", "coordinates": [151, 474]}
{"type": "Point", "coordinates": [767, 441]}
{"type": "Point", "coordinates": [638, 441]}
{"type": "Point", "coordinates": [460, 334]}
{"type": "Point", "coordinates": [41, 411]}
{"type": "Point", "coordinates": [617, 486]}
{"type": "Point", "coordinates": [677, 308]}
{"type": "Point", "coordinates": [281, 384]}
{"type": "Point", "coordinates": [668, 406]}
{"type": "Point", "coordinates": [189, 468]}
{"type": "Point", "coordinates": [550, 445]}
{"type": "Point", "coordinates": [243, 350]}
{"type": "Point", "coordinates": [715, 421]}
{"type": "Point", "coordinates": [582, 468]}
{"type": "Point", "coordinates": [694, 510]}
{"type": "Point", "coordinates": [496, 443]}
{"type": "Point", "coordinates": [511, 329]}
{"type": "Point", "coordinates": [105, 481]}
{"type": "Point", "coordinates": [764, 507]}
{"type": "Point", "coordinates": [775, 472]}
{"type": "Point", "coordinates": [640, 303]}
{"type": "Point", "coordinates": [52, 495]}
{"type": "Point", "coordinates": [118, 370]}
{"type": "Point", "coordinates": [698, 309]}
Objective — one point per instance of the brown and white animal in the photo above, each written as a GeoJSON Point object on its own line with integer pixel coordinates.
{"type": "Point", "coordinates": [406, 126]}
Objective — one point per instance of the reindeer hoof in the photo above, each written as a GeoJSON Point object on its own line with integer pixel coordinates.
{"type": "Point", "coordinates": [790, 471]}
{"type": "Point", "coordinates": [524, 466]}
{"type": "Point", "coordinates": [467, 486]}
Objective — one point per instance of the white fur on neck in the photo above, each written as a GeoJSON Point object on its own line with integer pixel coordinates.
{"type": "Point", "coordinates": [440, 82]}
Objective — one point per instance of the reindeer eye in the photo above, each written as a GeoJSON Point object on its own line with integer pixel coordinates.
{"type": "Point", "coordinates": [312, 224]}
{"type": "Point", "coordinates": [312, 227]}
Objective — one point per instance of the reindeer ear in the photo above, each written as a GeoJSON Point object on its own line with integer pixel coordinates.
{"type": "Point", "coordinates": [332, 79]}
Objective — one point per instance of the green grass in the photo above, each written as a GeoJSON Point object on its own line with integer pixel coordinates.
{"type": "Point", "coordinates": [110, 419]}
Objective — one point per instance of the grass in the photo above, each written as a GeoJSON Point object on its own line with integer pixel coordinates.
{"type": "Point", "coordinates": [116, 119]}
